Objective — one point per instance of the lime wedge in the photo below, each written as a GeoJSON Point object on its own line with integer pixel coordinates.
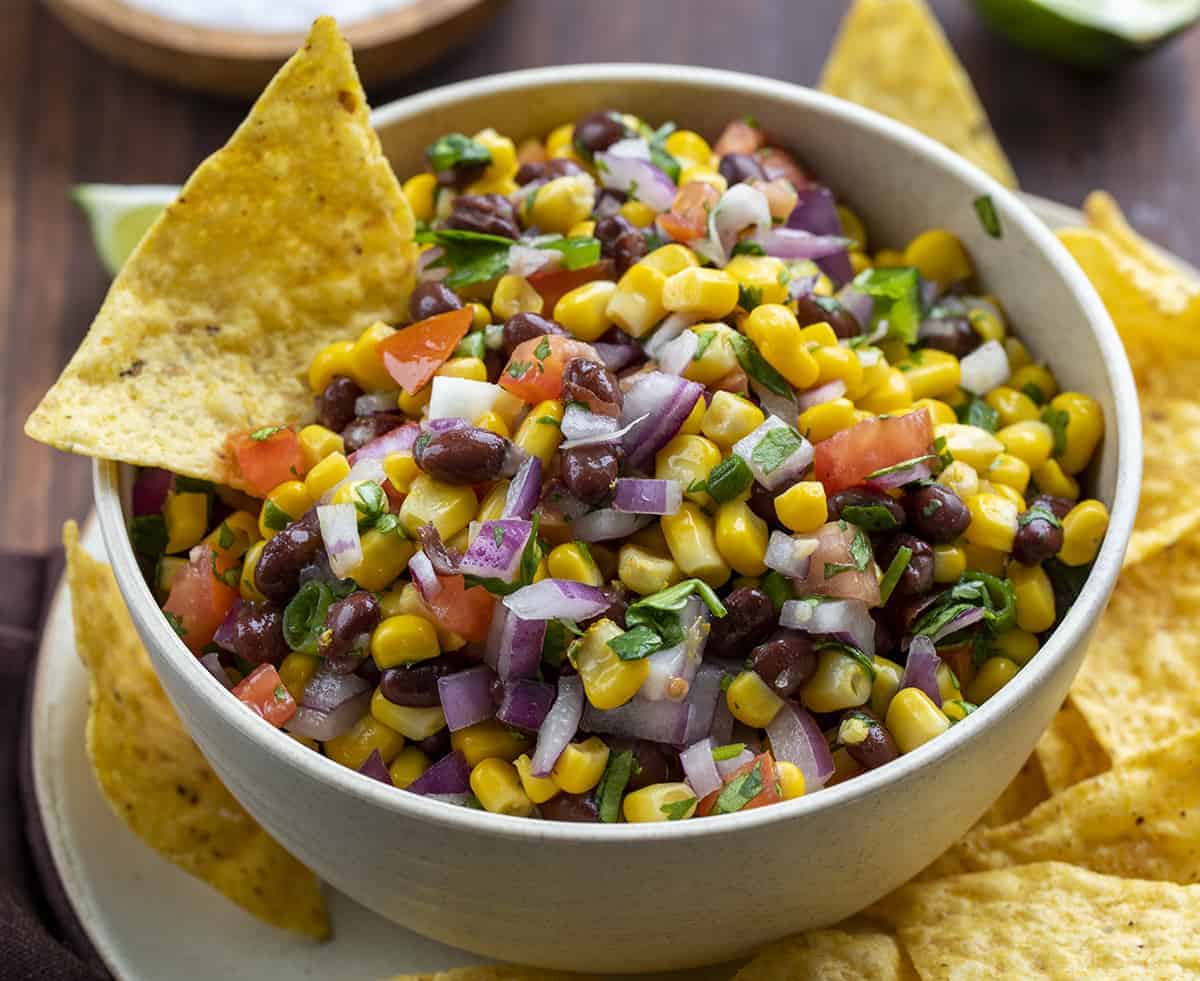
{"type": "Point", "coordinates": [1089, 33]}
{"type": "Point", "coordinates": [120, 214]}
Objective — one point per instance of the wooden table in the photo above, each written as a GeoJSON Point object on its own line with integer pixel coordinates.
{"type": "Point", "coordinates": [66, 116]}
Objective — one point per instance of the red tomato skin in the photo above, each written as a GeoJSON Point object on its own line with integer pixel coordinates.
{"type": "Point", "coordinates": [553, 286]}
{"type": "Point", "coordinates": [847, 458]}
{"type": "Point", "coordinates": [467, 612]}
{"type": "Point", "coordinates": [688, 217]}
{"type": "Point", "coordinates": [198, 599]}
{"type": "Point", "coordinates": [265, 694]}
{"type": "Point", "coordinates": [266, 463]}
{"type": "Point", "coordinates": [739, 136]}
{"type": "Point", "coordinates": [768, 795]}
{"type": "Point", "coordinates": [834, 548]}
{"type": "Point", "coordinates": [414, 353]}
{"type": "Point", "coordinates": [539, 379]}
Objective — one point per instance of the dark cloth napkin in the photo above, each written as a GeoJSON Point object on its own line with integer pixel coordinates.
{"type": "Point", "coordinates": [40, 937]}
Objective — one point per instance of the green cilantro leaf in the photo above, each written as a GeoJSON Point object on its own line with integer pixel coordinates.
{"type": "Point", "coordinates": [259, 435]}
{"type": "Point", "coordinates": [895, 570]}
{"type": "Point", "coordinates": [860, 556]}
{"type": "Point", "coordinates": [747, 247]}
{"type": "Point", "coordinates": [897, 294]}
{"type": "Point", "coordinates": [864, 661]}
{"type": "Point", "coordinates": [192, 485]}
{"type": "Point", "coordinates": [726, 480]}
{"type": "Point", "coordinates": [749, 297]}
{"type": "Point", "coordinates": [542, 351]}
{"type": "Point", "coordinates": [1057, 420]}
{"type": "Point", "coordinates": [679, 809]}
{"type": "Point", "coordinates": [776, 447]}
{"type": "Point", "coordinates": [985, 210]}
{"type": "Point", "coordinates": [148, 535]}
{"type": "Point", "coordinates": [617, 774]}
{"type": "Point", "coordinates": [275, 517]}
{"type": "Point", "coordinates": [455, 148]}
{"type": "Point", "coordinates": [727, 752]}
{"type": "Point", "coordinates": [498, 534]}
{"type": "Point", "coordinates": [225, 536]}
{"type": "Point", "coordinates": [370, 501]}
{"type": "Point", "coordinates": [976, 412]}
{"type": "Point", "coordinates": [778, 588]}
{"type": "Point", "coordinates": [578, 251]}
{"type": "Point", "coordinates": [1038, 513]}
{"type": "Point", "coordinates": [740, 791]}
{"type": "Point", "coordinates": [703, 339]}
{"type": "Point", "coordinates": [870, 517]}
{"type": "Point", "coordinates": [472, 257]}
{"type": "Point", "coordinates": [474, 345]}
{"type": "Point", "coordinates": [756, 366]}
{"type": "Point", "coordinates": [636, 643]}
{"type": "Point", "coordinates": [518, 368]}
{"type": "Point", "coordinates": [304, 616]}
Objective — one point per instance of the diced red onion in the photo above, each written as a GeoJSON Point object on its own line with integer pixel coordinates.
{"type": "Point", "coordinates": [444, 425]}
{"type": "Point", "coordinates": [793, 243]}
{"type": "Point", "coordinates": [968, 618]}
{"type": "Point", "coordinates": [225, 636]}
{"type": "Point", "coordinates": [376, 769]}
{"type": "Point", "coordinates": [643, 495]}
{"type": "Point", "coordinates": [600, 437]}
{"type": "Point", "coordinates": [426, 272]}
{"type": "Point", "coordinates": [373, 402]}
{"type": "Point", "coordinates": [788, 471]}
{"type": "Point", "coordinates": [315, 724]}
{"type": "Point", "coordinates": [423, 575]}
{"type": "Point", "coordinates": [606, 525]}
{"type": "Point", "coordinates": [796, 738]}
{"type": "Point", "coordinates": [632, 148]}
{"type": "Point", "coordinates": [821, 394]}
{"type": "Point", "coordinates": [726, 767]}
{"type": "Point", "coordinates": [212, 663]}
{"type": "Point", "coordinates": [985, 368]}
{"type": "Point", "coordinates": [524, 489]}
{"type": "Point", "coordinates": [514, 644]}
{"type": "Point", "coordinates": [800, 286]}
{"type": "Point", "coordinates": [398, 440]}
{"type": "Point", "coordinates": [580, 422]}
{"type": "Point", "coordinates": [150, 491]}
{"type": "Point", "coordinates": [920, 670]}
{"type": "Point", "coordinates": [526, 704]}
{"type": "Point", "coordinates": [789, 556]}
{"type": "Point", "coordinates": [846, 620]}
{"type": "Point", "coordinates": [665, 401]}
{"type": "Point", "coordinates": [618, 356]}
{"type": "Point", "coordinates": [553, 599]}
{"type": "Point", "coordinates": [679, 353]}
{"type": "Point", "coordinates": [781, 406]}
{"type": "Point", "coordinates": [466, 696]}
{"type": "Point", "coordinates": [899, 478]}
{"type": "Point", "coordinates": [461, 398]}
{"type": "Point", "coordinates": [739, 208]}
{"type": "Point", "coordinates": [699, 769]}
{"type": "Point", "coordinates": [939, 329]}
{"type": "Point", "coordinates": [339, 532]}
{"type": "Point", "coordinates": [667, 331]}
{"type": "Point", "coordinates": [638, 178]}
{"type": "Point", "coordinates": [816, 212]}
{"type": "Point", "coordinates": [860, 305]}
{"type": "Point", "coordinates": [496, 551]}
{"type": "Point", "coordinates": [449, 775]}
{"type": "Point", "coordinates": [703, 697]}
{"type": "Point", "coordinates": [525, 261]}
{"type": "Point", "coordinates": [660, 722]}
{"type": "Point", "coordinates": [327, 690]}
{"type": "Point", "coordinates": [560, 725]}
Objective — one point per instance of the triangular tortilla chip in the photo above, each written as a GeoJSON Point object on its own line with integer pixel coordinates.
{"type": "Point", "coordinates": [295, 234]}
{"type": "Point", "coordinates": [154, 777]}
{"type": "Point", "coordinates": [891, 56]}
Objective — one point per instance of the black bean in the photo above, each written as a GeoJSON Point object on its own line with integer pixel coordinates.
{"type": "Point", "coordinates": [748, 620]}
{"type": "Point", "coordinates": [277, 574]}
{"type": "Point", "coordinates": [609, 229]}
{"type": "Point", "coordinates": [258, 634]}
{"type": "Point", "coordinates": [437, 745]}
{"type": "Point", "coordinates": [590, 472]}
{"type": "Point", "coordinates": [489, 214]}
{"type": "Point", "coordinates": [628, 249]}
{"type": "Point", "coordinates": [953, 335]}
{"type": "Point", "coordinates": [598, 131]}
{"type": "Point", "coordinates": [570, 807]}
{"type": "Point", "coordinates": [738, 167]}
{"type": "Point", "coordinates": [936, 513]}
{"type": "Point", "coordinates": [593, 384]}
{"type": "Point", "coordinates": [348, 626]}
{"type": "Point", "coordinates": [417, 685]}
{"type": "Point", "coordinates": [460, 175]}
{"type": "Point", "coordinates": [366, 428]}
{"type": "Point", "coordinates": [615, 611]}
{"type": "Point", "coordinates": [876, 746]}
{"type": "Point", "coordinates": [785, 662]}
{"type": "Point", "coordinates": [809, 311]}
{"type": "Point", "coordinates": [762, 503]}
{"type": "Point", "coordinates": [917, 577]}
{"type": "Point", "coordinates": [462, 456]}
{"type": "Point", "coordinates": [520, 327]}
{"type": "Point", "coordinates": [608, 202]}
{"type": "Point", "coordinates": [1060, 507]}
{"type": "Point", "coordinates": [530, 171]}
{"type": "Point", "coordinates": [885, 640]}
{"type": "Point", "coordinates": [1037, 539]}
{"type": "Point", "coordinates": [620, 241]}
{"type": "Point", "coordinates": [864, 497]}
{"type": "Point", "coordinates": [335, 404]}
{"type": "Point", "coordinates": [430, 299]}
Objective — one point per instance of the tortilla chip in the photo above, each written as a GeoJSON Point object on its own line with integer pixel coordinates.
{"type": "Point", "coordinates": [892, 56]}
{"type": "Point", "coordinates": [831, 955]}
{"type": "Point", "coordinates": [1048, 920]}
{"type": "Point", "coordinates": [1069, 751]}
{"type": "Point", "coordinates": [1027, 790]}
{"type": "Point", "coordinates": [490, 972]}
{"type": "Point", "coordinates": [154, 777]}
{"type": "Point", "coordinates": [295, 234]}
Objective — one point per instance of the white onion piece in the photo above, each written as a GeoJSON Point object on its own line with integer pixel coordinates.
{"type": "Point", "coordinates": [524, 260]}
{"type": "Point", "coordinates": [846, 619]}
{"type": "Point", "coordinates": [212, 663]}
{"type": "Point", "coordinates": [462, 398]}
{"type": "Point", "coordinates": [985, 368]}
{"type": "Point", "coordinates": [323, 726]}
{"type": "Point", "coordinates": [739, 208]}
{"type": "Point", "coordinates": [426, 272]}
{"type": "Point", "coordinates": [785, 471]}
{"type": "Point", "coordinates": [703, 697]}
{"type": "Point", "coordinates": [557, 598]}
{"type": "Point", "coordinates": [638, 178]}
{"type": "Point", "coordinates": [559, 726]}
{"type": "Point", "coordinates": [699, 769]}
{"type": "Point", "coordinates": [796, 738]}
{"type": "Point", "coordinates": [580, 422]}
{"type": "Point", "coordinates": [606, 524]}
{"type": "Point", "coordinates": [789, 556]}
{"type": "Point", "coordinates": [610, 437]}
{"type": "Point", "coordinates": [632, 148]}
{"type": "Point", "coordinates": [667, 331]}
{"type": "Point", "coordinates": [339, 532]}
{"type": "Point", "coordinates": [679, 353]}
{"type": "Point", "coordinates": [726, 767]}
{"type": "Point", "coordinates": [369, 404]}
{"type": "Point", "coordinates": [821, 394]}
{"type": "Point", "coordinates": [423, 575]}
{"type": "Point", "coordinates": [369, 469]}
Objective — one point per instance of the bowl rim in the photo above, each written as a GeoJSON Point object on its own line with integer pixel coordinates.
{"type": "Point", "coordinates": [958, 739]}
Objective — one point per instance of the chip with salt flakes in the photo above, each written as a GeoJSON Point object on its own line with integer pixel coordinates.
{"type": "Point", "coordinates": [1069, 751]}
{"type": "Point", "coordinates": [844, 953]}
{"type": "Point", "coordinates": [293, 235]}
{"type": "Point", "coordinates": [1047, 920]}
{"type": "Point", "coordinates": [154, 777]}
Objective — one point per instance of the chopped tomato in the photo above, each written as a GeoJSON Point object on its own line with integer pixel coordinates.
{"type": "Point", "coordinates": [688, 217]}
{"type": "Point", "coordinates": [553, 286]}
{"type": "Point", "coordinates": [848, 458]}
{"type": "Point", "coordinates": [467, 612]}
{"type": "Point", "coordinates": [740, 136]}
{"type": "Point", "coordinates": [765, 776]}
{"type": "Point", "coordinates": [780, 194]}
{"type": "Point", "coordinates": [736, 382]}
{"type": "Point", "coordinates": [534, 372]}
{"type": "Point", "coordinates": [265, 693]}
{"type": "Point", "coordinates": [844, 767]}
{"type": "Point", "coordinates": [961, 660]}
{"type": "Point", "coordinates": [837, 568]}
{"type": "Point", "coordinates": [413, 354]}
{"type": "Point", "coordinates": [199, 600]}
{"type": "Point", "coordinates": [267, 458]}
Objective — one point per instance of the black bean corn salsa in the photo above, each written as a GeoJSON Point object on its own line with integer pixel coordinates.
{"type": "Point", "coordinates": [671, 500]}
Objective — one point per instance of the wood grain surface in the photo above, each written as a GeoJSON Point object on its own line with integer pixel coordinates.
{"type": "Point", "coordinates": [67, 115]}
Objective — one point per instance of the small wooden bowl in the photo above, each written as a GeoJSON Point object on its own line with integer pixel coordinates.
{"type": "Point", "coordinates": [387, 46]}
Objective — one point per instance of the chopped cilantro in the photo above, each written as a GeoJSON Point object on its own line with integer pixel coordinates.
{"type": "Point", "coordinates": [860, 557]}
{"type": "Point", "coordinates": [896, 291]}
{"type": "Point", "coordinates": [973, 589]}
{"type": "Point", "coordinates": [1038, 513]}
{"type": "Point", "coordinates": [175, 622]}
{"type": "Point", "coordinates": [727, 752]}
{"type": "Point", "coordinates": [518, 368]}
{"type": "Point", "coordinates": [549, 421]}
{"type": "Point", "coordinates": [746, 247]}
{"type": "Point", "coordinates": [474, 345]}
{"type": "Point", "coordinates": [275, 517]}
{"type": "Point", "coordinates": [1034, 392]}
{"type": "Point", "coordinates": [542, 351]}
{"type": "Point", "coordinates": [455, 148]}
{"type": "Point", "coordinates": [304, 616]}
{"type": "Point", "coordinates": [578, 251]}
{"type": "Point", "coordinates": [697, 485]}
{"type": "Point", "coordinates": [756, 366]}
{"type": "Point", "coordinates": [659, 155]}
{"type": "Point", "coordinates": [617, 774]}
{"type": "Point", "coordinates": [653, 621]}
{"type": "Point", "coordinates": [727, 479]}
{"type": "Point", "coordinates": [636, 643]}
{"type": "Point", "coordinates": [370, 501]}
{"type": "Point", "coordinates": [498, 534]}
{"type": "Point", "coordinates": [894, 571]}
{"type": "Point", "coordinates": [679, 809]}
{"type": "Point", "coordinates": [726, 682]}
{"type": "Point", "coordinates": [259, 435]}
{"type": "Point", "coordinates": [191, 485]}
{"type": "Point", "coordinates": [870, 517]}
{"type": "Point", "coordinates": [703, 339]}
{"type": "Point", "coordinates": [976, 412]}
{"type": "Point", "coordinates": [281, 693]}
{"type": "Point", "coordinates": [778, 588]}
{"type": "Point", "coordinates": [985, 209]}
{"type": "Point", "coordinates": [472, 257]}
{"type": "Point", "coordinates": [740, 791]}
{"type": "Point", "coordinates": [1058, 420]}
{"type": "Point", "coordinates": [387, 524]}
{"type": "Point", "coordinates": [148, 535]}
{"type": "Point", "coordinates": [225, 537]}
{"type": "Point", "coordinates": [776, 446]}
{"type": "Point", "coordinates": [943, 454]}
{"type": "Point", "coordinates": [749, 297]}
{"type": "Point", "coordinates": [864, 661]}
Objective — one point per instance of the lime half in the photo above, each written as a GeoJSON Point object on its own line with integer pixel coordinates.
{"type": "Point", "coordinates": [1089, 33]}
{"type": "Point", "coordinates": [120, 214]}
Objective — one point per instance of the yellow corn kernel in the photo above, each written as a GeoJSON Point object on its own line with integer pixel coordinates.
{"type": "Point", "coordinates": [1018, 353]}
{"type": "Point", "coordinates": [1035, 380]}
{"type": "Point", "coordinates": [317, 442]}
{"type": "Point", "coordinates": [636, 304]}
{"type": "Point", "coordinates": [751, 700]}
{"type": "Point", "coordinates": [1009, 471]}
{"type": "Point", "coordinates": [1050, 479]}
{"type": "Point", "coordinates": [504, 155]}
{"type": "Point", "coordinates": [449, 506]}
{"type": "Point", "coordinates": [1083, 530]}
{"type": "Point", "coordinates": [715, 357]}
{"type": "Point", "coordinates": [703, 174]}
{"type": "Point", "coordinates": [284, 504]}
{"type": "Point", "coordinates": [491, 508]}
{"type": "Point", "coordinates": [514, 295]}
{"type": "Point", "coordinates": [1034, 597]}
{"type": "Point", "coordinates": [931, 373]}
{"type": "Point", "coordinates": [246, 586]}
{"type": "Point", "coordinates": [583, 310]}
{"type": "Point", "coordinates": [1016, 645]}
{"type": "Point", "coordinates": [539, 789]}
{"type": "Point", "coordinates": [859, 262]}
{"type": "Point", "coordinates": [333, 359]}
{"type": "Point", "coordinates": [472, 369]}
{"type": "Point", "coordinates": [1011, 406]}
{"type": "Point", "coordinates": [560, 142]}
{"type": "Point", "coordinates": [764, 274]}
{"type": "Point", "coordinates": [695, 420]}
{"type": "Point", "coordinates": [837, 362]}
{"type": "Point", "coordinates": [982, 559]}
{"type": "Point", "coordinates": [412, 723]}
{"type": "Point", "coordinates": [970, 444]}
{"type": "Point", "coordinates": [947, 682]}
{"type": "Point", "coordinates": [1085, 428]}
{"type": "Point", "coordinates": [186, 517]}
{"type": "Point", "coordinates": [353, 747]}
{"type": "Point", "coordinates": [729, 417]}
{"type": "Point", "coordinates": [582, 229]}
{"type": "Point", "coordinates": [741, 537]}
{"type": "Point", "coordinates": [539, 435]}
{"type": "Point", "coordinates": [580, 766]}
{"type": "Point", "coordinates": [802, 507]}
{"type": "Point", "coordinates": [819, 334]}
{"type": "Point", "coordinates": [638, 214]}
{"type": "Point", "coordinates": [481, 316]}
{"type": "Point", "coordinates": [791, 360]}
{"type": "Point", "coordinates": [705, 293]}
{"type": "Point", "coordinates": [1031, 441]}
{"type": "Point", "coordinates": [913, 719]}
{"type": "Point", "coordinates": [420, 190]}
{"type": "Point", "coordinates": [542, 571]}
{"type": "Point", "coordinates": [658, 802]}
{"type": "Point", "coordinates": [412, 405]}
{"type": "Point", "coordinates": [296, 671]}
{"type": "Point", "coordinates": [497, 786]}
{"type": "Point", "coordinates": [684, 144]}
{"type": "Point", "coordinates": [242, 526]}
{"type": "Point", "coordinates": [961, 478]}
{"type": "Point", "coordinates": [493, 422]}
{"type": "Point", "coordinates": [401, 470]}
{"type": "Point", "coordinates": [385, 556]}
{"type": "Point", "coordinates": [994, 674]}
{"type": "Point", "coordinates": [939, 411]}
{"type": "Point", "coordinates": [365, 361]}
{"type": "Point", "coordinates": [986, 324]}
{"type": "Point", "coordinates": [888, 258]}
{"type": "Point", "coordinates": [489, 740]}
{"type": "Point", "coordinates": [692, 541]}
{"type": "Point", "coordinates": [409, 764]}
{"type": "Point", "coordinates": [892, 396]}
{"type": "Point", "coordinates": [949, 562]}
{"type": "Point", "coordinates": [404, 598]}
{"type": "Point", "coordinates": [670, 259]}
{"type": "Point", "coordinates": [559, 204]}
{"type": "Point", "coordinates": [993, 521]}
{"type": "Point", "coordinates": [573, 561]}
{"type": "Point", "coordinates": [888, 675]}
{"type": "Point", "coordinates": [955, 709]}
{"type": "Point", "coordinates": [325, 474]}
{"type": "Point", "coordinates": [608, 681]}
{"type": "Point", "coordinates": [824, 420]}
{"type": "Point", "coordinates": [940, 257]}
{"type": "Point", "coordinates": [791, 780]}
{"type": "Point", "coordinates": [840, 682]}
{"type": "Point", "coordinates": [403, 639]}
{"type": "Point", "coordinates": [644, 572]}
{"type": "Point", "coordinates": [1004, 490]}
{"type": "Point", "coordinates": [687, 459]}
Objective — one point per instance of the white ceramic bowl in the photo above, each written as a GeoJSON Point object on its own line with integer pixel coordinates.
{"type": "Point", "coordinates": [641, 897]}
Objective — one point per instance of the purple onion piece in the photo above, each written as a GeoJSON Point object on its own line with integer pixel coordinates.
{"type": "Point", "coordinates": [226, 635]}
{"type": "Point", "coordinates": [617, 357]}
{"type": "Point", "coordinates": [704, 699]}
{"type": "Point", "coordinates": [398, 440]}
{"type": "Point", "coordinates": [449, 775]}
{"type": "Point", "coordinates": [968, 618]}
{"type": "Point", "coordinates": [821, 394]}
{"type": "Point", "coordinates": [699, 769]}
{"type": "Point", "coordinates": [150, 491]}
{"type": "Point", "coordinates": [424, 576]}
{"type": "Point", "coordinates": [553, 599]}
{"type": "Point", "coordinates": [607, 524]}
{"type": "Point", "coordinates": [212, 664]}
{"type": "Point", "coordinates": [846, 620]}
{"type": "Point", "coordinates": [660, 722]}
{"type": "Point", "coordinates": [327, 690]}
{"type": "Point", "coordinates": [560, 725]}
{"type": "Point", "coordinates": [496, 551]}
{"type": "Point", "coordinates": [920, 670]}
{"type": "Point", "coordinates": [640, 495]}
{"type": "Point", "coordinates": [860, 305]}
{"type": "Point", "coordinates": [466, 697]}
{"type": "Point", "coordinates": [314, 724]}
{"type": "Point", "coordinates": [665, 401]}
{"type": "Point", "coordinates": [899, 478]}
{"type": "Point", "coordinates": [376, 769]}
{"type": "Point", "coordinates": [524, 489]}
{"type": "Point", "coordinates": [526, 704]}
{"type": "Point", "coordinates": [796, 738]}
{"type": "Point", "coordinates": [514, 644]}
